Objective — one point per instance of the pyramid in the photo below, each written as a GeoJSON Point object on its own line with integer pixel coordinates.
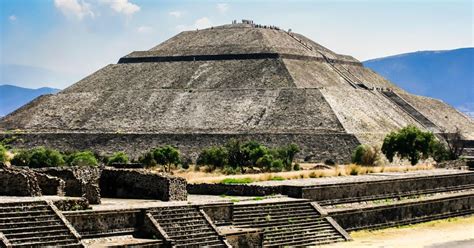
{"type": "Point", "coordinates": [242, 80]}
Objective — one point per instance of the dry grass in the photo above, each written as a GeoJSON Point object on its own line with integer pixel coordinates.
{"type": "Point", "coordinates": [339, 170]}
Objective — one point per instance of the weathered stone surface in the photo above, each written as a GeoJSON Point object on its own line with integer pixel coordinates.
{"type": "Point", "coordinates": [233, 80]}
{"type": "Point", "coordinates": [80, 181]}
{"type": "Point", "coordinates": [50, 185]}
{"type": "Point", "coordinates": [18, 182]}
{"type": "Point", "coordinates": [141, 184]}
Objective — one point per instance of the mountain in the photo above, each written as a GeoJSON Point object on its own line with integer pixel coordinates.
{"type": "Point", "coordinates": [447, 75]}
{"type": "Point", "coordinates": [13, 97]}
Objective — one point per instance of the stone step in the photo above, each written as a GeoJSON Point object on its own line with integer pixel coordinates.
{"type": "Point", "coordinates": [22, 208]}
{"type": "Point", "coordinates": [285, 234]}
{"type": "Point", "coordinates": [192, 227]}
{"type": "Point", "coordinates": [31, 222]}
{"type": "Point", "coordinates": [52, 243]}
{"type": "Point", "coordinates": [31, 227]}
{"type": "Point", "coordinates": [176, 216]}
{"type": "Point", "coordinates": [39, 238]}
{"type": "Point", "coordinates": [37, 233]}
{"type": "Point", "coordinates": [15, 220]}
{"type": "Point", "coordinates": [192, 235]}
{"type": "Point", "coordinates": [23, 204]}
{"type": "Point", "coordinates": [199, 242]}
{"type": "Point", "coordinates": [24, 213]}
{"type": "Point", "coordinates": [179, 221]}
{"type": "Point", "coordinates": [263, 219]}
{"type": "Point", "coordinates": [310, 212]}
{"type": "Point", "coordinates": [283, 229]}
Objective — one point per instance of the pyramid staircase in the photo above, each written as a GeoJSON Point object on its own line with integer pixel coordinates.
{"type": "Point", "coordinates": [404, 105]}
{"type": "Point", "coordinates": [33, 224]}
{"type": "Point", "coordinates": [187, 226]}
{"type": "Point", "coordinates": [289, 223]}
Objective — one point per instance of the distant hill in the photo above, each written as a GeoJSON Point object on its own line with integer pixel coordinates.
{"type": "Point", "coordinates": [446, 75]}
{"type": "Point", "coordinates": [13, 97]}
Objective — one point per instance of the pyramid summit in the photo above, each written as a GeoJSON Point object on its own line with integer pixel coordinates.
{"type": "Point", "coordinates": [241, 80]}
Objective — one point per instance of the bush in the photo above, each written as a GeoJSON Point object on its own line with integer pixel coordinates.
{"type": "Point", "coordinates": [215, 157]}
{"type": "Point", "coordinates": [167, 156]}
{"type": "Point", "coordinates": [277, 165]}
{"type": "Point", "coordinates": [366, 155]}
{"type": "Point", "coordinates": [409, 142]}
{"type": "Point", "coordinates": [265, 162]}
{"type": "Point", "coordinates": [42, 157]}
{"type": "Point", "coordinates": [3, 155]}
{"type": "Point", "coordinates": [21, 158]}
{"type": "Point", "coordinates": [85, 158]}
{"type": "Point", "coordinates": [118, 158]}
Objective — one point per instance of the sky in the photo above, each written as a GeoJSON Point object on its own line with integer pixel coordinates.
{"type": "Point", "coordinates": [63, 41]}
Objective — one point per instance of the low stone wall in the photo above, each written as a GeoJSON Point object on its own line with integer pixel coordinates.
{"type": "Point", "coordinates": [140, 184]}
{"type": "Point", "coordinates": [71, 204]}
{"type": "Point", "coordinates": [220, 214]}
{"type": "Point", "coordinates": [232, 189]}
{"type": "Point", "coordinates": [102, 223]}
{"type": "Point", "coordinates": [50, 185]}
{"type": "Point", "coordinates": [404, 213]}
{"type": "Point", "coordinates": [18, 182]}
{"type": "Point", "coordinates": [243, 237]}
{"type": "Point", "coordinates": [359, 191]}
{"type": "Point", "coordinates": [80, 181]}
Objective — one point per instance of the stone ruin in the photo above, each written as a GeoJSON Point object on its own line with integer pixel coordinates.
{"type": "Point", "coordinates": [91, 183]}
{"type": "Point", "coordinates": [242, 80]}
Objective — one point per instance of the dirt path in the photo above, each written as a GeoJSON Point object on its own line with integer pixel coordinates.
{"type": "Point", "coordinates": [450, 233]}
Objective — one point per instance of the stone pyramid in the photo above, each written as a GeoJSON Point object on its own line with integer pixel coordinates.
{"type": "Point", "coordinates": [242, 80]}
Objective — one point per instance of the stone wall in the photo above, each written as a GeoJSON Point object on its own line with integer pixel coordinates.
{"type": "Point", "coordinates": [100, 223]}
{"type": "Point", "coordinates": [220, 214]}
{"type": "Point", "coordinates": [243, 237]}
{"type": "Point", "coordinates": [18, 182]}
{"type": "Point", "coordinates": [140, 184]}
{"type": "Point", "coordinates": [80, 181]}
{"type": "Point", "coordinates": [452, 164]}
{"type": "Point", "coordinates": [50, 185]}
{"type": "Point", "coordinates": [314, 146]}
{"type": "Point", "coordinates": [232, 189]}
{"type": "Point", "coordinates": [405, 213]}
{"type": "Point", "coordinates": [351, 192]}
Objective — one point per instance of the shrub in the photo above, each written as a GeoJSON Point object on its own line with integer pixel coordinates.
{"type": "Point", "coordinates": [409, 142]}
{"type": "Point", "coordinates": [237, 180]}
{"type": "Point", "coordinates": [329, 162]}
{"type": "Point", "coordinates": [354, 170]}
{"type": "Point", "coordinates": [85, 158]}
{"type": "Point", "coordinates": [277, 165]}
{"type": "Point", "coordinates": [367, 155]}
{"type": "Point", "coordinates": [215, 157]}
{"type": "Point", "coordinates": [148, 160]}
{"type": "Point", "coordinates": [3, 155]}
{"type": "Point", "coordinates": [118, 158]}
{"type": "Point", "coordinates": [167, 156]}
{"type": "Point", "coordinates": [287, 154]}
{"type": "Point", "coordinates": [439, 152]}
{"type": "Point", "coordinates": [296, 167]}
{"type": "Point", "coordinates": [21, 158]}
{"type": "Point", "coordinates": [235, 156]}
{"type": "Point", "coordinates": [265, 162]}
{"type": "Point", "coordinates": [42, 157]}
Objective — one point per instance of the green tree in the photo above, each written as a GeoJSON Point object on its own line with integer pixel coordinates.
{"type": "Point", "coordinates": [265, 162]}
{"type": "Point", "coordinates": [84, 158]}
{"type": "Point", "coordinates": [43, 157]}
{"type": "Point", "coordinates": [214, 156]}
{"type": "Point", "coordinates": [410, 142]}
{"type": "Point", "coordinates": [118, 157]}
{"type": "Point", "coordinates": [167, 156]}
{"type": "Point", "coordinates": [236, 156]}
{"type": "Point", "coordinates": [148, 160]}
{"type": "Point", "coordinates": [21, 157]}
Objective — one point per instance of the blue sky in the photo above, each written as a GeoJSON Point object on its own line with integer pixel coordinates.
{"type": "Point", "coordinates": [68, 39]}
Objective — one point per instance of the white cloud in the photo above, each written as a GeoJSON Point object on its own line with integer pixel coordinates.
{"type": "Point", "coordinates": [222, 7]}
{"type": "Point", "coordinates": [200, 23]}
{"type": "Point", "coordinates": [176, 14]}
{"type": "Point", "coordinates": [12, 18]}
{"type": "Point", "coordinates": [144, 29]}
{"type": "Point", "coordinates": [76, 8]}
{"type": "Point", "coordinates": [123, 6]}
